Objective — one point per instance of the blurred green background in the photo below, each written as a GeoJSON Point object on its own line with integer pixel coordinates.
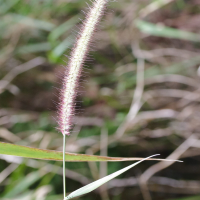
{"type": "Point", "coordinates": [140, 96]}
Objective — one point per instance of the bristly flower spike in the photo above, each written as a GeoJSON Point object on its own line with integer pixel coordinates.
{"type": "Point", "coordinates": [77, 58]}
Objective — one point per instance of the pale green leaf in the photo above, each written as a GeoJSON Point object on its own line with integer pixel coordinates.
{"type": "Point", "coordinates": [164, 31]}
{"type": "Point", "coordinates": [92, 186]}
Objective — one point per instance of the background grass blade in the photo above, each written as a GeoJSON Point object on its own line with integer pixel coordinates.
{"type": "Point", "coordinates": [61, 29]}
{"type": "Point", "coordinates": [55, 54]}
{"type": "Point", "coordinates": [164, 31]}
{"type": "Point", "coordinates": [34, 48]}
{"type": "Point", "coordinates": [24, 184]}
{"type": "Point", "coordinates": [188, 198]}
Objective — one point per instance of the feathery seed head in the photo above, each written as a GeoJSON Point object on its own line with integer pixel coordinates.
{"type": "Point", "coordinates": [77, 58]}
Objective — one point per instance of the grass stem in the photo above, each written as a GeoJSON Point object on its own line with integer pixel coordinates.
{"type": "Point", "coordinates": [64, 182]}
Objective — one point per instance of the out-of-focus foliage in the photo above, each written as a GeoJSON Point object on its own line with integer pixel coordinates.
{"type": "Point", "coordinates": [160, 116]}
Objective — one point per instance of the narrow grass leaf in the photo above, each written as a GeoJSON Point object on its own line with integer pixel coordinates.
{"type": "Point", "coordinates": [29, 152]}
{"type": "Point", "coordinates": [7, 5]}
{"type": "Point", "coordinates": [34, 48]}
{"type": "Point", "coordinates": [55, 54]}
{"type": "Point", "coordinates": [28, 21]}
{"type": "Point", "coordinates": [164, 31]}
{"type": "Point", "coordinates": [92, 186]}
{"type": "Point", "coordinates": [24, 184]}
{"type": "Point", "coordinates": [61, 29]}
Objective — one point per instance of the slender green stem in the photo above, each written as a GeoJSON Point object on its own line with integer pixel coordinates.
{"type": "Point", "coordinates": [64, 184]}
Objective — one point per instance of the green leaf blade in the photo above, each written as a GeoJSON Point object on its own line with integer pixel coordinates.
{"type": "Point", "coordinates": [29, 152]}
